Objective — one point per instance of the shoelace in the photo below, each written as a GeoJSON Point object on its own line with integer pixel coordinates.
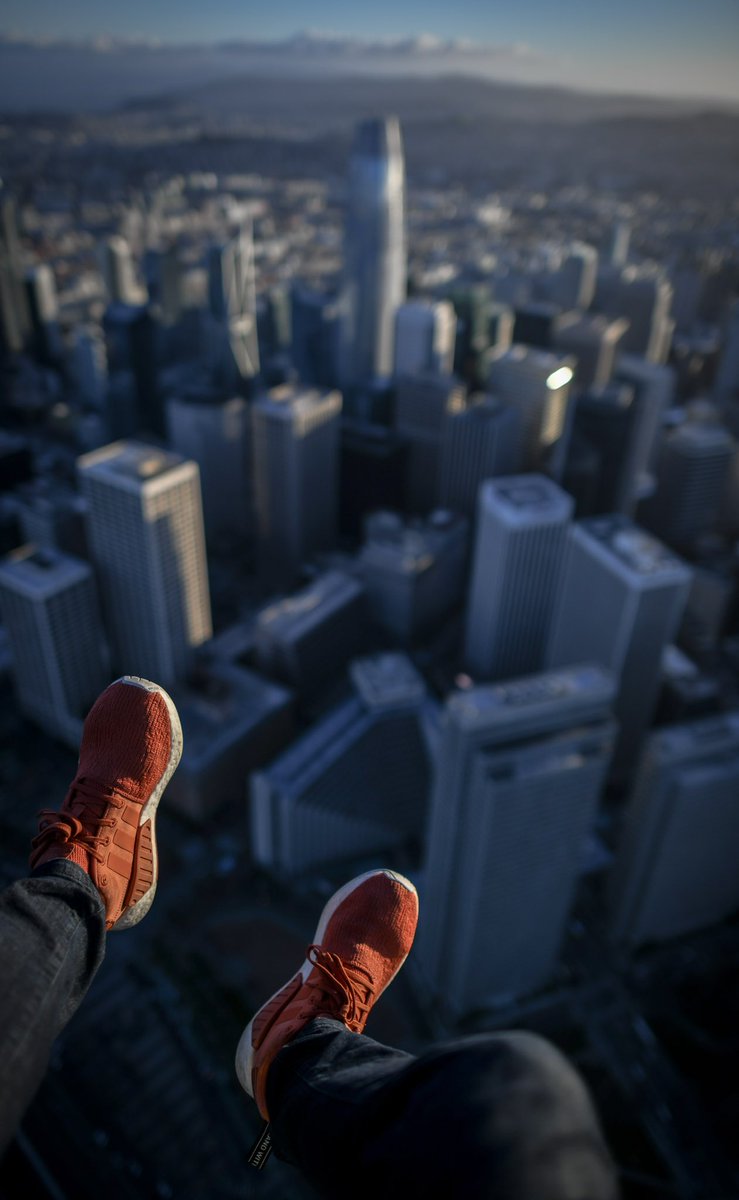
{"type": "Point", "coordinates": [91, 799]}
{"type": "Point", "coordinates": [352, 986]}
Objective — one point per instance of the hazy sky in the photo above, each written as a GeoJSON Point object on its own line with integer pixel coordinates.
{"type": "Point", "coordinates": [668, 46]}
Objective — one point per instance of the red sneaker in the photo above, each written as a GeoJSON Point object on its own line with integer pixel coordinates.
{"type": "Point", "coordinates": [131, 744]}
{"type": "Point", "coordinates": [363, 938]}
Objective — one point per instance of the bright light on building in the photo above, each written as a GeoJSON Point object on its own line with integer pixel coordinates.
{"type": "Point", "coordinates": [559, 378]}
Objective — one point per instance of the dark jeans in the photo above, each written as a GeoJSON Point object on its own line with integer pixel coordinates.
{"type": "Point", "coordinates": [500, 1116]}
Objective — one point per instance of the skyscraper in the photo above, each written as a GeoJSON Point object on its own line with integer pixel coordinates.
{"type": "Point", "coordinates": [356, 783]}
{"type": "Point", "coordinates": [644, 295]}
{"type": "Point", "coordinates": [425, 333]}
{"type": "Point", "coordinates": [692, 476]}
{"type": "Point", "coordinates": [607, 424]}
{"type": "Point", "coordinates": [727, 376]}
{"type": "Point", "coordinates": [146, 539]}
{"type": "Point", "coordinates": [574, 285]}
{"type": "Point", "coordinates": [233, 311]}
{"type": "Point", "coordinates": [14, 317]}
{"type": "Point", "coordinates": [676, 866]}
{"type": "Point", "coordinates": [422, 405]}
{"type": "Point", "coordinates": [50, 609]}
{"type": "Point", "coordinates": [516, 571]}
{"type": "Point", "coordinates": [620, 604]}
{"type": "Point", "coordinates": [537, 384]}
{"type": "Point", "coordinates": [295, 456]}
{"type": "Point", "coordinates": [593, 340]}
{"type": "Point", "coordinates": [477, 443]}
{"type": "Point", "coordinates": [215, 432]}
{"type": "Point", "coordinates": [116, 268]}
{"type": "Point", "coordinates": [519, 772]}
{"type": "Point", "coordinates": [654, 392]}
{"type": "Point", "coordinates": [375, 251]}
{"type": "Point", "coordinates": [414, 572]}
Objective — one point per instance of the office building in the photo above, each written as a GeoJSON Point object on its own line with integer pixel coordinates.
{"type": "Point", "coordinates": [519, 772]}
{"type": "Point", "coordinates": [117, 270]}
{"type": "Point", "coordinates": [726, 388]}
{"type": "Point", "coordinates": [130, 338]}
{"type": "Point", "coordinates": [232, 723]}
{"type": "Point", "coordinates": [355, 786]}
{"type": "Point", "coordinates": [644, 296]}
{"type": "Point", "coordinates": [215, 432]}
{"type": "Point", "coordinates": [480, 323]}
{"type": "Point", "coordinates": [374, 251]}
{"type": "Point", "coordinates": [522, 525]}
{"type": "Point", "coordinates": [606, 427]}
{"type": "Point", "coordinates": [295, 464]}
{"type": "Point", "coordinates": [14, 315]}
{"type": "Point", "coordinates": [307, 639]}
{"type": "Point", "coordinates": [145, 529]}
{"type": "Point", "coordinates": [573, 285]}
{"type": "Point", "coordinates": [593, 341]}
{"type": "Point", "coordinates": [414, 571]}
{"type": "Point", "coordinates": [477, 443]}
{"type": "Point", "coordinates": [89, 365]}
{"type": "Point", "coordinates": [50, 610]}
{"type": "Point", "coordinates": [675, 868]}
{"type": "Point", "coordinates": [620, 604]}
{"type": "Point", "coordinates": [536, 323]}
{"type": "Point", "coordinates": [618, 249]}
{"type": "Point", "coordinates": [43, 309]}
{"type": "Point", "coordinates": [163, 274]}
{"type": "Point", "coordinates": [16, 460]}
{"type": "Point", "coordinates": [52, 516]}
{"type": "Point", "coordinates": [232, 305]}
{"type": "Point", "coordinates": [692, 476]}
{"type": "Point", "coordinates": [315, 324]}
{"type": "Point", "coordinates": [374, 466]}
{"type": "Point", "coordinates": [654, 393]}
{"type": "Point", "coordinates": [425, 333]}
{"type": "Point", "coordinates": [422, 404]}
{"type": "Point", "coordinates": [537, 384]}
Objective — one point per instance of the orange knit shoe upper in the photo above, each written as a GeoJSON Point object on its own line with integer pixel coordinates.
{"type": "Point", "coordinates": [131, 744]}
{"type": "Point", "coordinates": [363, 938]}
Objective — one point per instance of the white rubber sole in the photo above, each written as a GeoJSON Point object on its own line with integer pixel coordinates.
{"type": "Point", "coordinates": [245, 1050]}
{"type": "Point", "coordinates": [138, 911]}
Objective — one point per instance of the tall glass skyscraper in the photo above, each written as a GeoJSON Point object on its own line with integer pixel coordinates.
{"type": "Point", "coordinates": [375, 251]}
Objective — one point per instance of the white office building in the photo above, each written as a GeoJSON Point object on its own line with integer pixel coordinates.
{"type": "Point", "coordinates": [621, 601]}
{"type": "Point", "coordinates": [520, 543]}
{"type": "Point", "coordinates": [518, 777]}
{"type": "Point", "coordinates": [425, 333]}
{"type": "Point", "coordinates": [145, 529]}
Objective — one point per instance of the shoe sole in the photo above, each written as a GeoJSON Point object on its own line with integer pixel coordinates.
{"type": "Point", "coordinates": [245, 1049]}
{"type": "Point", "coordinates": [138, 911]}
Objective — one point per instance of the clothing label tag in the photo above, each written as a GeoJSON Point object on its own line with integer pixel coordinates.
{"type": "Point", "coordinates": [261, 1149]}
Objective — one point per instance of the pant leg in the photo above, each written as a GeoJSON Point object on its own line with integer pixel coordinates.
{"type": "Point", "coordinates": [52, 941]}
{"type": "Point", "coordinates": [492, 1117]}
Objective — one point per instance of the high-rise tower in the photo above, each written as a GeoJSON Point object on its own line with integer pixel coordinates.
{"type": "Point", "coordinates": [295, 455]}
{"type": "Point", "coordinates": [477, 443]}
{"type": "Point", "coordinates": [146, 539]}
{"type": "Point", "coordinates": [519, 773]}
{"type": "Point", "coordinates": [537, 384]}
{"type": "Point", "coordinates": [676, 866]}
{"type": "Point", "coordinates": [233, 310]}
{"type": "Point", "coordinates": [517, 567]}
{"type": "Point", "coordinates": [375, 251]}
{"type": "Point", "coordinates": [50, 609]}
{"type": "Point", "coordinates": [620, 604]}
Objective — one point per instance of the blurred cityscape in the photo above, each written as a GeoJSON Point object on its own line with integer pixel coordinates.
{"type": "Point", "coordinates": [392, 426]}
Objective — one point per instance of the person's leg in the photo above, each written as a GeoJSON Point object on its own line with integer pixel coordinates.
{"type": "Point", "coordinates": [498, 1116]}
{"type": "Point", "coordinates": [94, 868]}
{"type": "Point", "coordinates": [52, 941]}
{"type": "Point", "coordinates": [492, 1117]}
